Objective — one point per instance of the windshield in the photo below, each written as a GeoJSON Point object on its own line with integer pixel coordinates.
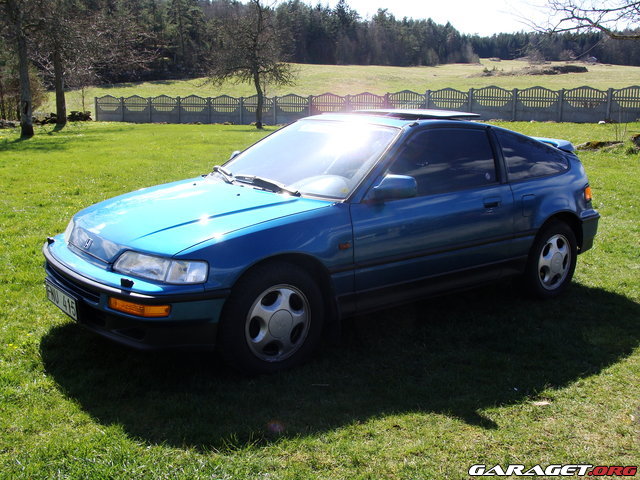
{"type": "Point", "coordinates": [315, 157]}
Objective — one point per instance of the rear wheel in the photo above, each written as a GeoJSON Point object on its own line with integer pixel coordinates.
{"type": "Point", "coordinates": [273, 319]}
{"type": "Point", "coordinates": [552, 261]}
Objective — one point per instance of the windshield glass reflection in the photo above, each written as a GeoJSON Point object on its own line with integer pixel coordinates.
{"type": "Point", "coordinates": [316, 157]}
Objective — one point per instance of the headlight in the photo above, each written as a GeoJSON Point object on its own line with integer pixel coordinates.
{"type": "Point", "coordinates": [161, 269]}
{"type": "Point", "coordinates": [69, 231]}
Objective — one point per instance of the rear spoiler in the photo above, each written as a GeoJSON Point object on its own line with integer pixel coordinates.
{"type": "Point", "coordinates": [563, 145]}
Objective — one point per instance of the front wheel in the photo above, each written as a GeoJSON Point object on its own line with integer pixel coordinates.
{"type": "Point", "coordinates": [273, 319]}
{"type": "Point", "coordinates": [552, 261]}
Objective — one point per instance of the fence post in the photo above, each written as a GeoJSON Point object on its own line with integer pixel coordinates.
{"type": "Point", "coordinates": [347, 103]}
{"type": "Point", "coordinates": [241, 110]}
{"type": "Point", "coordinates": [309, 104]}
{"type": "Point", "coordinates": [470, 99]}
{"type": "Point", "coordinates": [179, 105]}
{"type": "Point", "coordinates": [149, 107]}
{"type": "Point", "coordinates": [427, 99]}
{"type": "Point", "coordinates": [514, 108]}
{"type": "Point", "coordinates": [209, 110]}
{"type": "Point", "coordinates": [122, 107]}
{"type": "Point", "coordinates": [95, 107]}
{"type": "Point", "coordinates": [275, 110]}
{"type": "Point", "coordinates": [609, 103]}
{"type": "Point", "coordinates": [561, 104]}
{"type": "Point", "coordinates": [387, 104]}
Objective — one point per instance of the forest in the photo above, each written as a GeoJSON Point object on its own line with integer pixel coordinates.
{"type": "Point", "coordinates": [185, 32]}
{"type": "Point", "coordinates": [62, 44]}
{"type": "Point", "coordinates": [159, 39]}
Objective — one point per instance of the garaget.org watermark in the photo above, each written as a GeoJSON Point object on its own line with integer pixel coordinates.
{"type": "Point", "coordinates": [553, 470]}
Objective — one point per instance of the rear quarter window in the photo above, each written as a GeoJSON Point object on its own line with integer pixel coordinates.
{"type": "Point", "coordinates": [529, 158]}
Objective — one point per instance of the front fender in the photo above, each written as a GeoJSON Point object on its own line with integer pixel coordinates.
{"type": "Point", "coordinates": [324, 234]}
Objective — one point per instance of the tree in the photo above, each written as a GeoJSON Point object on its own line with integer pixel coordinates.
{"type": "Point", "coordinates": [119, 48]}
{"type": "Point", "coordinates": [248, 51]}
{"type": "Point", "coordinates": [16, 18]}
{"type": "Point", "coordinates": [74, 44]}
{"type": "Point", "coordinates": [57, 41]}
{"type": "Point", "coordinates": [10, 85]}
{"type": "Point", "coordinates": [618, 19]}
{"type": "Point", "coordinates": [187, 28]}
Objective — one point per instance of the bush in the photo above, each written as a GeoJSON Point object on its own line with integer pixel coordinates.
{"type": "Point", "coordinates": [10, 91]}
{"type": "Point", "coordinates": [52, 118]}
{"type": "Point", "coordinates": [47, 119]}
{"type": "Point", "coordinates": [75, 116]}
{"type": "Point", "coordinates": [8, 124]}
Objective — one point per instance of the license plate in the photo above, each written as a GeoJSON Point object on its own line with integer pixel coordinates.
{"type": "Point", "coordinates": [64, 302]}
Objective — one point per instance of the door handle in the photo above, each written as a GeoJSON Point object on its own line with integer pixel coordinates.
{"type": "Point", "coordinates": [492, 202]}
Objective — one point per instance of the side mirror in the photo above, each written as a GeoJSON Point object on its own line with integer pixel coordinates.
{"type": "Point", "coordinates": [394, 187]}
{"type": "Point", "coordinates": [234, 154]}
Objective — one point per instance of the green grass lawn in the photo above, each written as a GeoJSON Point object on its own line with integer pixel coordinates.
{"type": "Point", "coordinates": [353, 79]}
{"type": "Point", "coordinates": [418, 392]}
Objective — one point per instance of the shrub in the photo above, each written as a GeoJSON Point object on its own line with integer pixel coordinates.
{"type": "Point", "coordinates": [76, 116]}
{"type": "Point", "coordinates": [10, 91]}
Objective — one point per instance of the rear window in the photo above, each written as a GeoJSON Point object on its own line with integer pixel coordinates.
{"type": "Point", "coordinates": [529, 158]}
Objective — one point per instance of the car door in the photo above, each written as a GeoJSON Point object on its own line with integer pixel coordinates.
{"type": "Point", "coordinates": [457, 229]}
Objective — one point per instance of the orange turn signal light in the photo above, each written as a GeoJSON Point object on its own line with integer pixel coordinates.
{"type": "Point", "coordinates": [151, 311]}
{"type": "Point", "coordinates": [587, 193]}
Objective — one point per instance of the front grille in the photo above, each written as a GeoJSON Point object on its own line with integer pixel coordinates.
{"type": "Point", "coordinates": [74, 287]}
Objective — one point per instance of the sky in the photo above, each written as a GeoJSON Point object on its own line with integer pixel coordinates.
{"type": "Point", "coordinates": [484, 17]}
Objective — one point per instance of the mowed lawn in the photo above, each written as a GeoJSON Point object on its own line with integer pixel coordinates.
{"type": "Point", "coordinates": [354, 79]}
{"type": "Point", "coordinates": [422, 391]}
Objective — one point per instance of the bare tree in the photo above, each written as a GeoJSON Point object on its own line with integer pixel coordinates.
{"type": "Point", "coordinates": [81, 76]}
{"type": "Point", "coordinates": [74, 43]}
{"type": "Point", "coordinates": [618, 19]}
{"type": "Point", "coordinates": [248, 51]}
{"type": "Point", "coordinates": [16, 18]}
{"type": "Point", "coordinates": [55, 41]}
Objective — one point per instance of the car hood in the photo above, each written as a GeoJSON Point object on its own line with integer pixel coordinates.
{"type": "Point", "coordinates": [167, 219]}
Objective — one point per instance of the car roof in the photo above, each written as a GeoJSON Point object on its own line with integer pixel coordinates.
{"type": "Point", "coordinates": [419, 114]}
{"type": "Point", "coordinates": [396, 117]}
{"type": "Point", "coordinates": [400, 118]}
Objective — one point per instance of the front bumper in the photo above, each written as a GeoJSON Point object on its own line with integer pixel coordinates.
{"type": "Point", "coordinates": [192, 323]}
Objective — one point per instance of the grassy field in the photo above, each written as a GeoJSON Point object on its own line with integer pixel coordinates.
{"type": "Point", "coordinates": [418, 392]}
{"type": "Point", "coordinates": [353, 79]}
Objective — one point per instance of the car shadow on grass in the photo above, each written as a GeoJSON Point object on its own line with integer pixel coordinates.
{"type": "Point", "coordinates": [453, 355]}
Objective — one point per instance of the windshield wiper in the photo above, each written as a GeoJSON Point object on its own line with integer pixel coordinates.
{"type": "Point", "coordinates": [226, 175]}
{"type": "Point", "coordinates": [267, 184]}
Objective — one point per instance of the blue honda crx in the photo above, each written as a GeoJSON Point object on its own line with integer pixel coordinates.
{"type": "Point", "coordinates": [331, 216]}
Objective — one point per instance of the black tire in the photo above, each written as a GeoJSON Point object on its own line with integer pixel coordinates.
{"type": "Point", "coordinates": [551, 262]}
{"type": "Point", "coordinates": [272, 320]}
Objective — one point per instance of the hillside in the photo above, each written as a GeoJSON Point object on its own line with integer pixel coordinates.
{"type": "Point", "coordinates": [352, 79]}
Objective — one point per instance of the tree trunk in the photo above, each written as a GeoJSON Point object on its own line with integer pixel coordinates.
{"type": "Point", "coordinates": [3, 108]}
{"type": "Point", "coordinates": [58, 73]}
{"type": "Point", "coordinates": [26, 115]}
{"type": "Point", "coordinates": [256, 81]}
{"type": "Point", "coordinates": [15, 15]}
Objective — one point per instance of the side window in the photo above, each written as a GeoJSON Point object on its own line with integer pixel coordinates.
{"type": "Point", "coordinates": [444, 160]}
{"type": "Point", "coordinates": [528, 158]}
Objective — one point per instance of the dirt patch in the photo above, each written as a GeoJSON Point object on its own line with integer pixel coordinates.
{"type": "Point", "coordinates": [536, 70]}
{"type": "Point", "coordinates": [597, 145]}
{"type": "Point", "coordinates": [559, 69]}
